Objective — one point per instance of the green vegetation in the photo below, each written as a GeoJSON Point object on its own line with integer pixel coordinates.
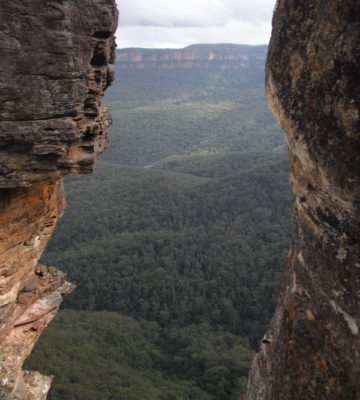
{"type": "Point", "coordinates": [160, 113]}
{"type": "Point", "coordinates": [221, 164]}
{"type": "Point", "coordinates": [106, 356]}
{"type": "Point", "coordinates": [193, 265]}
{"type": "Point", "coordinates": [176, 264]}
{"type": "Point", "coordinates": [176, 248]}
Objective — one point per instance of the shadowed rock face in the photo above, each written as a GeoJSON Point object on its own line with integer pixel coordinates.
{"type": "Point", "coordinates": [312, 348]}
{"type": "Point", "coordinates": [53, 72]}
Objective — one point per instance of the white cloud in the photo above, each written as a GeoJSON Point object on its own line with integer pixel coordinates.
{"type": "Point", "coordinates": [251, 11]}
{"type": "Point", "coordinates": [156, 23]}
{"type": "Point", "coordinates": [183, 13]}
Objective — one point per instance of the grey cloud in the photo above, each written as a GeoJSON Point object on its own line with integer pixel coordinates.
{"type": "Point", "coordinates": [192, 13]}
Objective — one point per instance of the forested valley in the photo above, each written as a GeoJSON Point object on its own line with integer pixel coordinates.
{"type": "Point", "coordinates": [176, 243]}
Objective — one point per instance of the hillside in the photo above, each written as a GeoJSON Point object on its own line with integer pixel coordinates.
{"type": "Point", "coordinates": [164, 112]}
{"type": "Point", "coordinates": [202, 56]}
{"type": "Point", "coordinates": [175, 247]}
{"type": "Point", "coordinates": [182, 230]}
{"type": "Point", "coordinates": [104, 355]}
{"type": "Point", "coordinates": [181, 251]}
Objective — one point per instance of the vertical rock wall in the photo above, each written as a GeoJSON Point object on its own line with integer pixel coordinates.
{"type": "Point", "coordinates": [54, 58]}
{"type": "Point", "coordinates": [312, 348]}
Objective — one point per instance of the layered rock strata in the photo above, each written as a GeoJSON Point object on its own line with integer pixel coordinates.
{"type": "Point", "coordinates": [199, 56]}
{"type": "Point", "coordinates": [54, 70]}
{"type": "Point", "coordinates": [312, 348]}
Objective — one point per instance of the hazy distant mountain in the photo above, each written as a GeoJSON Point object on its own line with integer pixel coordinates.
{"type": "Point", "coordinates": [208, 56]}
{"type": "Point", "coordinates": [203, 99]}
{"type": "Point", "coordinates": [176, 264]}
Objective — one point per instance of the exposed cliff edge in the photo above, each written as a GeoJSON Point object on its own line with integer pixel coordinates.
{"type": "Point", "coordinates": [312, 348]}
{"type": "Point", "coordinates": [54, 70]}
{"type": "Point", "coordinates": [201, 56]}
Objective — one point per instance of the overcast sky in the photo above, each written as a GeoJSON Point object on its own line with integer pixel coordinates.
{"type": "Point", "coordinates": [178, 23]}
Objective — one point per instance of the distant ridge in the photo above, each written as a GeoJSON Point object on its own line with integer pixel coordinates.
{"type": "Point", "coordinates": [206, 56]}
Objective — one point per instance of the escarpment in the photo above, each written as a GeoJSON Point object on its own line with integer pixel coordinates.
{"type": "Point", "coordinates": [312, 348]}
{"type": "Point", "coordinates": [54, 70]}
{"type": "Point", "coordinates": [198, 56]}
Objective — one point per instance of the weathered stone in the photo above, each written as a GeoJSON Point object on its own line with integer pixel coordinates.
{"type": "Point", "coordinates": [313, 87]}
{"type": "Point", "coordinates": [54, 70]}
{"type": "Point", "coordinates": [30, 294]}
{"type": "Point", "coordinates": [28, 320]}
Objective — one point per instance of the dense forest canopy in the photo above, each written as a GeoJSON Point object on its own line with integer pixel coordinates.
{"type": "Point", "coordinates": [171, 247]}
{"type": "Point", "coordinates": [105, 355]}
{"type": "Point", "coordinates": [159, 113]}
{"type": "Point", "coordinates": [176, 243]}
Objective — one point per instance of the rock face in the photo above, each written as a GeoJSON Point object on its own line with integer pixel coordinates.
{"type": "Point", "coordinates": [201, 56]}
{"type": "Point", "coordinates": [312, 348]}
{"type": "Point", "coordinates": [54, 70]}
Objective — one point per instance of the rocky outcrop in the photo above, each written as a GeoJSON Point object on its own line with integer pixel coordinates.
{"type": "Point", "coordinates": [200, 56]}
{"type": "Point", "coordinates": [53, 73]}
{"type": "Point", "coordinates": [54, 70]}
{"type": "Point", "coordinates": [312, 348]}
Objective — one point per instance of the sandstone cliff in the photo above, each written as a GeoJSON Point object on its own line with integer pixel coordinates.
{"type": "Point", "coordinates": [201, 56]}
{"type": "Point", "coordinates": [54, 70]}
{"type": "Point", "coordinates": [312, 348]}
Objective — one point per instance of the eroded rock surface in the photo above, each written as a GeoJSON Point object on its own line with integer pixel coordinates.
{"type": "Point", "coordinates": [53, 72]}
{"type": "Point", "coordinates": [312, 348]}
